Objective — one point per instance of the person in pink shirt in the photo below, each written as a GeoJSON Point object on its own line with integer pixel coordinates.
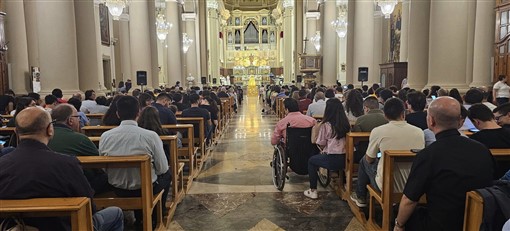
{"type": "Point", "coordinates": [294, 117]}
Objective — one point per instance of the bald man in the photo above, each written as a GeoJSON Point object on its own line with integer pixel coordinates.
{"type": "Point", "coordinates": [34, 171]}
{"type": "Point", "coordinates": [445, 171]}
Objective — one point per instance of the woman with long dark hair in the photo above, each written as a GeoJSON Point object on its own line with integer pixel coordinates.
{"type": "Point", "coordinates": [149, 119]}
{"type": "Point", "coordinates": [454, 93]}
{"type": "Point", "coordinates": [331, 140]}
{"type": "Point", "coordinates": [110, 118]}
{"type": "Point", "coordinates": [354, 105]}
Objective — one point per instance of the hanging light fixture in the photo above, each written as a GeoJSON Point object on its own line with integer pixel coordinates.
{"type": "Point", "coordinates": [316, 40]}
{"type": "Point", "coordinates": [116, 7]}
{"type": "Point", "coordinates": [387, 6]}
{"type": "Point", "coordinates": [162, 27]}
{"type": "Point", "coordinates": [340, 26]}
{"type": "Point", "coordinates": [186, 42]}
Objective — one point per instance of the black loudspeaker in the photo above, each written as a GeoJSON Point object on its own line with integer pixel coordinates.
{"type": "Point", "coordinates": [299, 78]}
{"type": "Point", "coordinates": [203, 80]}
{"type": "Point", "coordinates": [214, 81]}
{"type": "Point", "coordinates": [141, 78]}
{"type": "Point", "coordinates": [363, 74]}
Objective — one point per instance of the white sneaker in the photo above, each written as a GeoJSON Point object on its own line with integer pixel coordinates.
{"type": "Point", "coordinates": [311, 194]}
{"type": "Point", "coordinates": [360, 202]}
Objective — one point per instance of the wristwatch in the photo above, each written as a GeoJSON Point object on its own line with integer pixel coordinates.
{"type": "Point", "coordinates": [398, 224]}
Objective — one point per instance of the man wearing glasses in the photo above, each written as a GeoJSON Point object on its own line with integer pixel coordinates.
{"type": "Point", "coordinates": [502, 115]}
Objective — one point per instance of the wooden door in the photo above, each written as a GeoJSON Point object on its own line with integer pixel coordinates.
{"type": "Point", "coordinates": [502, 37]}
{"type": "Point", "coordinates": [4, 80]}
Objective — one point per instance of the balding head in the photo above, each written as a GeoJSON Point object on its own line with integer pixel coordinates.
{"type": "Point", "coordinates": [33, 123]}
{"type": "Point", "coordinates": [319, 95]}
{"type": "Point", "coordinates": [443, 114]}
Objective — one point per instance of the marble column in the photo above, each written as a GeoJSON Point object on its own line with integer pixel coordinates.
{"type": "Point", "coordinates": [364, 40]}
{"type": "Point", "coordinates": [174, 65]}
{"type": "Point", "coordinates": [125, 49]}
{"type": "Point", "coordinates": [202, 38]}
{"type": "Point", "coordinates": [288, 53]}
{"type": "Point", "coordinates": [139, 36]}
{"type": "Point", "coordinates": [90, 65]}
{"type": "Point", "coordinates": [351, 71]}
{"type": "Point", "coordinates": [17, 36]}
{"type": "Point", "coordinates": [378, 47]}
{"type": "Point", "coordinates": [192, 64]}
{"type": "Point", "coordinates": [153, 39]}
{"type": "Point", "coordinates": [448, 40]}
{"type": "Point", "coordinates": [404, 30]}
{"type": "Point", "coordinates": [299, 36]}
{"type": "Point", "coordinates": [311, 28]}
{"type": "Point", "coordinates": [213, 44]}
{"type": "Point", "coordinates": [329, 46]}
{"type": "Point", "coordinates": [418, 48]}
{"type": "Point", "coordinates": [483, 43]}
{"type": "Point", "coordinates": [59, 43]}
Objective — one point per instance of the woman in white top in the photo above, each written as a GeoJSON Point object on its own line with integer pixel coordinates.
{"type": "Point", "coordinates": [501, 91]}
{"type": "Point", "coordinates": [331, 139]}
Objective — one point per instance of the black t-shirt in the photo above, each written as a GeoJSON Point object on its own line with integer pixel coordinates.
{"type": "Point", "coordinates": [418, 119]}
{"type": "Point", "coordinates": [180, 106]}
{"type": "Point", "coordinates": [4, 102]}
{"type": "Point", "coordinates": [197, 112]}
{"type": "Point", "coordinates": [445, 171]}
{"type": "Point", "coordinates": [166, 115]}
{"type": "Point", "coordinates": [213, 111]}
{"type": "Point", "coordinates": [493, 138]}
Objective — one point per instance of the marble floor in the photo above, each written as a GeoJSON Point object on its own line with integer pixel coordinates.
{"type": "Point", "coordinates": [235, 190]}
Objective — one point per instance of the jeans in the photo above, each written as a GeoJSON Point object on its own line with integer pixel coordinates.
{"type": "Point", "coordinates": [108, 219]}
{"type": "Point", "coordinates": [162, 183]}
{"type": "Point", "coordinates": [501, 101]}
{"type": "Point", "coordinates": [366, 175]}
{"type": "Point", "coordinates": [330, 162]}
{"type": "Point", "coordinates": [506, 176]}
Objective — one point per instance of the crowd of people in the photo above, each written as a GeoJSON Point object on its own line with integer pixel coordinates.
{"type": "Point", "coordinates": [432, 122]}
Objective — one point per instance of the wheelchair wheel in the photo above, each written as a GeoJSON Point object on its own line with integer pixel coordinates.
{"type": "Point", "coordinates": [279, 168]}
{"type": "Point", "coordinates": [324, 177]}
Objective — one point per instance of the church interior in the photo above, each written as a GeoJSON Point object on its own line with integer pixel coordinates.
{"type": "Point", "coordinates": [246, 48]}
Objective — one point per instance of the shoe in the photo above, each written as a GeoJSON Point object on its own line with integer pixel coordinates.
{"type": "Point", "coordinates": [311, 194]}
{"type": "Point", "coordinates": [360, 202]}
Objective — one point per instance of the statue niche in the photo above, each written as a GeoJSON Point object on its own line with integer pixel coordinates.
{"type": "Point", "coordinates": [251, 34]}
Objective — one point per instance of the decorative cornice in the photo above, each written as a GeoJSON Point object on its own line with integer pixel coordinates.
{"type": "Point", "coordinates": [316, 15]}
{"type": "Point", "coordinates": [189, 16]}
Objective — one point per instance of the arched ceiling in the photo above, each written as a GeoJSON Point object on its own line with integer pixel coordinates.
{"type": "Point", "coordinates": [250, 5]}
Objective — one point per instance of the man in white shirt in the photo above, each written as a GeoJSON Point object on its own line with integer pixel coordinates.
{"type": "Point", "coordinates": [395, 135]}
{"type": "Point", "coordinates": [129, 139]}
{"type": "Point", "coordinates": [318, 107]}
{"type": "Point", "coordinates": [89, 102]}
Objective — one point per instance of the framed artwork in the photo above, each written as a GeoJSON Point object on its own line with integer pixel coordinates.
{"type": "Point", "coordinates": [264, 21]}
{"type": "Point", "coordinates": [104, 24]}
{"type": "Point", "coordinates": [238, 21]}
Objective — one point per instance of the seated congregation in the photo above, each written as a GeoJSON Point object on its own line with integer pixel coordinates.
{"type": "Point", "coordinates": [143, 159]}
{"type": "Point", "coordinates": [413, 155]}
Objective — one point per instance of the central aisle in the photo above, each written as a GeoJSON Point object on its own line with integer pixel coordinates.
{"type": "Point", "coordinates": [235, 190]}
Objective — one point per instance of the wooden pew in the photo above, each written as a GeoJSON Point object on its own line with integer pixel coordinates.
{"type": "Point", "coordinates": [387, 197]}
{"type": "Point", "coordinates": [95, 119]}
{"type": "Point", "coordinates": [146, 202]}
{"type": "Point", "coordinates": [352, 138]}
{"type": "Point", "coordinates": [200, 143]}
{"type": "Point", "coordinates": [78, 208]}
{"type": "Point", "coordinates": [186, 154]}
{"type": "Point", "coordinates": [7, 131]}
{"type": "Point", "coordinates": [95, 130]}
{"type": "Point", "coordinates": [176, 167]}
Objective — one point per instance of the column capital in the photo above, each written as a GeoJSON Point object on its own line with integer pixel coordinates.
{"type": "Point", "coordinates": [313, 15]}
{"type": "Point", "coordinates": [189, 16]}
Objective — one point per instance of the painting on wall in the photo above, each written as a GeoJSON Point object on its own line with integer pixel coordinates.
{"type": "Point", "coordinates": [395, 28]}
{"type": "Point", "coordinates": [104, 24]}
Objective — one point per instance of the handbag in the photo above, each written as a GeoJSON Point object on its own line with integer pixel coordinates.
{"type": "Point", "coordinates": [315, 132]}
{"type": "Point", "coordinates": [14, 224]}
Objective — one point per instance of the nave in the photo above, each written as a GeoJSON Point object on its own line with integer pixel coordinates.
{"type": "Point", "coordinates": [234, 190]}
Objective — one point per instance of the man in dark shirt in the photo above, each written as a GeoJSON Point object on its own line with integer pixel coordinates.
{"type": "Point", "coordinates": [303, 101]}
{"type": "Point", "coordinates": [444, 171]}
{"type": "Point", "coordinates": [7, 102]}
{"type": "Point", "coordinates": [491, 134]}
{"type": "Point", "coordinates": [416, 102]}
{"type": "Point", "coordinates": [195, 111]}
{"type": "Point", "coordinates": [178, 102]}
{"type": "Point", "coordinates": [165, 114]}
{"type": "Point", "coordinates": [34, 171]}
{"type": "Point", "coordinates": [502, 115]}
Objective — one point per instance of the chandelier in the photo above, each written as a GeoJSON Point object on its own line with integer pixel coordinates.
{"type": "Point", "coordinates": [340, 26]}
{"type": "Point", "coordinates": [116, 7]}
{"type": "Point", "coordinates": [186, 42]}
{"type": "Point", "coordinates": [162, 27]}
{"type": "Point", "coordinates": [316, 40]}
{"type": "Point", "coordinates": [387, 6]}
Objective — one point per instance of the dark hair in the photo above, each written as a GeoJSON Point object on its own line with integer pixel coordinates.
{"type": "Point", "coordinates": [433, 90]}
{"type": "Point", "coordinates": [136, 92]}
{"type": "Point", "coordinates": [164, 96]}
{"type": "Point", "coordinates": [62, 112]}
{"type": "Point", "coordinates": [454, 93]}
{"type": "Point", "coordinates": [417, 100]}
{"type": "Point", "coordinates": [394, 108]}
{"type": "Point", "coordinates": [350, 86]}
{"type": "Point", "coordinates": [22, 103]}
{"type": "Point", "coordinates": [371, 103]}
{"type": "Point", "coordinates": [463, 112]}
{"type": "Point", "coordinates": [34, 96]}
{"type": "Point", "coordinates": [121, 84]}
{"type": "Point", "coordinates": [88, 94]}
{"type": "Point", "coordinates": [101, 100]}
{"type": "Point", "coordinates": [426, 91]}
{"type": "Point", "coordinates": [302, 93]}
{"type": "Point", "coordinates": [501, 77]}
{"type": "Point", "coordinates": [330, 93]}
{"type": "Point", "coordinates": [375, 86]}
{"type": "Point", "coordinates": [481, 112]}
{"type": "Point", "coordinates": [127, 108]}
{"type": "Point", "coordinates": [193, 98]}
{"type": "Point", "coordinates": [75, 102]}
{"type": "Point", "coordinates": [354, 103]}
{"type": "Point", "coordinates": [150, 120]}
{"type": "Point", "coordinates": [143, 98]}
{"type": "Point", "coordinates": [502, 109]}
{"type": "Point", "coordinates": [50, 99]}
{"type": "Point", "coordinates": [473, 96]}
{"type": "Point", "coordinates": [402, 94]}
{"type": "Point", "coordinates": [386, 94]}
{"type": "Point", "coordinates": [213, 105]}
{"type": "Point", "coordinates": [291, 104]}
{"type": "Point", "coordinates": [10, 92]}
{"type": "Point", "coordinates": [393, 88]}
{"type": "Point", "coordinates": [57, 92]}
{"type": "Point", "coordinates": [177, 97]}
{"type": "Point", "coordinates": [110, 118]}
{"type": "Point", "coordinates": [364, 88]}
{"type": "Point", "coordinates": [335, 115]}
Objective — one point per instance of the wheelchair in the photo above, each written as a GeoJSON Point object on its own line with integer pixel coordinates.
{"type": "Point", "coordinates": [295, 153]}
